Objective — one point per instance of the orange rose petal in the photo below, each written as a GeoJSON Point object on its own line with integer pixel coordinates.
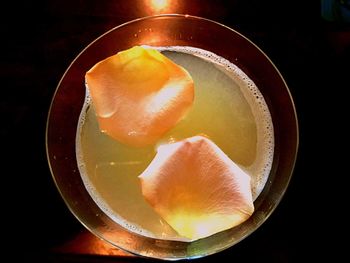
{"type": "Point", "coordinates": [196, 188]}
{"type": "Point", "coordinates": [139, 95]}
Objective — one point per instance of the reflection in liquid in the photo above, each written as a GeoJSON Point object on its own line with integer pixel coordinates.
{"type": "Point", "coordinates": [147, 35]}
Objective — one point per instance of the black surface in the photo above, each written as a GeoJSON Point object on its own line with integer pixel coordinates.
{"type": "Point", "coordinates": [41, 39]}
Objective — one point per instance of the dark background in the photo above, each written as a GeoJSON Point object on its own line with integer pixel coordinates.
{"type": "Point", "coordinates": [41, 39]}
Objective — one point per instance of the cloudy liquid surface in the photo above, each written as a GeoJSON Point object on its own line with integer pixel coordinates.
{"type": "Point", "coordinates": [228, 108]}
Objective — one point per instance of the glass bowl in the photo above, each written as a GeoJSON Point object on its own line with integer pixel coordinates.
{"type": "Point", "coordinates": [169, 30]}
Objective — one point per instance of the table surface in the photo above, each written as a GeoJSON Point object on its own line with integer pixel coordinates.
{"type": "Point", "coordinates": [306, 49]}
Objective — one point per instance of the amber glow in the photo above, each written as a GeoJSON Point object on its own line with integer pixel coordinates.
{"type": "Point", "coordinates": [159, 4]}
{"type": "Point", "coordinates": [86, 243]}
{"type": "Point", "coordinates": [195, 225]}
{"type": "Point", "coordinates": [152, 39]}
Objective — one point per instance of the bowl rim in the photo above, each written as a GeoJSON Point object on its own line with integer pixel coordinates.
{"type": "Point", "coordinates": [181, 16]}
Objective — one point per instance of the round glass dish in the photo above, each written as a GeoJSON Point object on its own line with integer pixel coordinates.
{"type": "Point", "coordinates": [169, 30]}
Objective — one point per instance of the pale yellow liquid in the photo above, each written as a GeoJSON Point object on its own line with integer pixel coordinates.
{"type": "Point", "coordinates": [222, 110]}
